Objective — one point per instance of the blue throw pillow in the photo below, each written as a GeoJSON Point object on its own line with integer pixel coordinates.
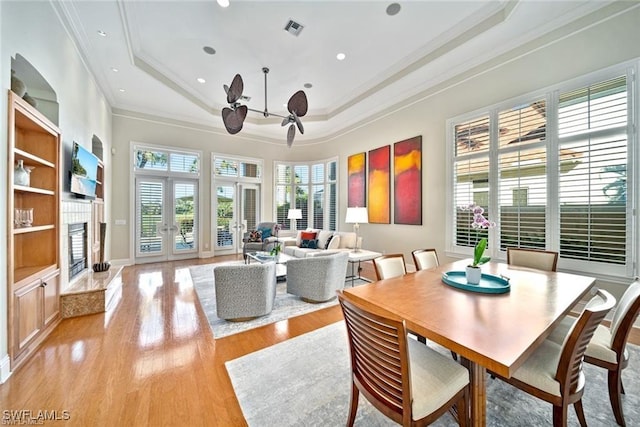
{"type": "Point", "coordinates": [309, 244]}
{"type": "Point", "coordinates": [266, 232]}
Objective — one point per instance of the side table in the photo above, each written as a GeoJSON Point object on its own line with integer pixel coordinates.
{"type": "Point", "coordinates": [357, 258]}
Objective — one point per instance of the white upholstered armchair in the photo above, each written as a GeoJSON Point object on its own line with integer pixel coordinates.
{"type": "Point", "coordinates": [317, 279]}
{"type": "Point", "coordinates": [244, 291]}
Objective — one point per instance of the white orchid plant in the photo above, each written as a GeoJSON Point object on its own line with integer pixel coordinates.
{"type": "Point", "coordinates": [479, 222]}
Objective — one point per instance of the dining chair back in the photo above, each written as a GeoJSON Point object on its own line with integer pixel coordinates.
{"type": "Point", "coordinates": [533, 258]}
{"type": "Point", "coordinates": [424, 259]}
{"type": "Point", "coordinates": [608, 350]}
{"type": "Point", "coordinates": [408, 382]}
{"type": "Point", "coordinates": [388, 266]}
{"type": "Point", "coordinates": [554, 373]}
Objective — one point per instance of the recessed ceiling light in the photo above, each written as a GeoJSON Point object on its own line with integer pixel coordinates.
{"type": "Point", "coordinates": [223, 3]}
{"type": "Point", "coordinates": [308, 85]}
{"type": "Point", "coordinates": [393, 9]}
{"type": "Point", "coordinates": [209, 50]}
{"type": "Point", "coordinates": [114, 69]}
{"type": "Point", "coordinates": [102, 33]}
{"type": "Point", "coordinates": [201, 80]}
{"type": "Point", "coordinates": [121, 90]}
{"type": "Point", "coordinates": [340, 56]}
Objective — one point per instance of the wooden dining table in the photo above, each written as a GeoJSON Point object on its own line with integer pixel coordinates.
{"type": "Point", "coordinates": [495, 332]}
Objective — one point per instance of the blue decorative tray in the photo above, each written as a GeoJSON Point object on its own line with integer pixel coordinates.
{"type": "Point", "coordinates": [489, 284]}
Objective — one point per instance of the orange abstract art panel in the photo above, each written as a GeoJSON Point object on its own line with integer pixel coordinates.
{"type": "Point", "coordinates": [380, 185]}
{"type": "Point", "coordinates": [407, 171]}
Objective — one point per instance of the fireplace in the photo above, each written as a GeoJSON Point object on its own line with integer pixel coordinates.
{"type": "Point", "coordinates": [77, 248]}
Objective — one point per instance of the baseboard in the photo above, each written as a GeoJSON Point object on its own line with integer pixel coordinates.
{"type": "Point", "coordinates": [5, 369]}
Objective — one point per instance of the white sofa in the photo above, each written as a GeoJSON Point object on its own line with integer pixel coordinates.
{"type": "Point", "coordinates": [327, 242]}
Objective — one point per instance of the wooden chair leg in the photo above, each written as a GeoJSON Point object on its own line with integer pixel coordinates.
{"type": "Point", "coordinates": [615, 389]}
{"type": "Point", "coordinates": [580, 413]}
{"type": "Point", "coordinates": [464, 415]}
{"type": "Point", "coordinates": [353, 405]}
{"type": "Point", "coordinates": [560, 416]}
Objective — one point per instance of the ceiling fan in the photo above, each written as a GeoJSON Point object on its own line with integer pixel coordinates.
{"type": "Point", "coordinates": [234, 115]}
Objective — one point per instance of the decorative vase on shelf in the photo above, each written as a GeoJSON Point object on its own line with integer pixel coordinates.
{"type": "Point", "coordinates": [473, 275]}
{"type": "Point", "coordinates": [30, 100]}
{"type": "Point", "coordinates": [21, 175]}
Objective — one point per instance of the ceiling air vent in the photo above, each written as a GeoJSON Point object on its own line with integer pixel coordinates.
{"type": "Point", "coordinates": [293, 27]}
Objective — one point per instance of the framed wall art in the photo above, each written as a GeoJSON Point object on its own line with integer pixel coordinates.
{"type": "Point", "coordinates": [356, 181]}
{"type": "Point", "coordinates": [407, 178]}
{"type": "Point", "coordinates": [380, 185]}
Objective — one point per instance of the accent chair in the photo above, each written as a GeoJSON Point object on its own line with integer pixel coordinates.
{"type": "Point", "coordinates": [265, 244]}
{"type": "Point", "coordinates": [245, 291]}
{"type": "Point", "coordinates": [316, 279]}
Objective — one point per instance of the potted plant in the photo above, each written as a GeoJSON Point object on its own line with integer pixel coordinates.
{"type": "Point", "coordinates": [473, 273]}
{"type": "Point", "coordinates": [275, 251]}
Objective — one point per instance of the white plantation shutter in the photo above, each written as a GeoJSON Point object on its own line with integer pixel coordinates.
{"type": "Point", "coordinates": [522, 182]}
{"type": "Point", "coordinates": [592, 123]}
{"type": "Point", "coordinates": [331, 212]}
{"type": "Point", "coordinates": [149, 215]}
{"type": "Point", "coordinates": [554, 171]}
{"type": "Point", "coordinates": [284, 186]}
{"type": "Point", "coordinates": [471, 177]}
{"type": "Point", "coordinates": [312, 188]}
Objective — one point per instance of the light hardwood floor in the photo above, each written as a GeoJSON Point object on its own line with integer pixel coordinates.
{"type": "Point", "coordinates": [150, 361]}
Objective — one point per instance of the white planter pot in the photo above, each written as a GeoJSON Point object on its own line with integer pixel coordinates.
{"type": "Point", "coordinates": [473, 275]}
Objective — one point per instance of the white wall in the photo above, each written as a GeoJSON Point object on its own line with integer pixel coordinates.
{"type": "Point", "coordinates": [33, 30]}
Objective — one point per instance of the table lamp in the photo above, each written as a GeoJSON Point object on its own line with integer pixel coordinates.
{"type": "Point", "coordinates": [293, 215]}
{"type": "Point", "coordinates": [357, 216]}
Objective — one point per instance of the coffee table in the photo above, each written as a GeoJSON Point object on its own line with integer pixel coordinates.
{"type": "Point", "coordinates": [357, 258]}
{"type": "Point", "coordinates": [264, 257]}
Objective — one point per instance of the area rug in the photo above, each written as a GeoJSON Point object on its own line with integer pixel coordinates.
{"type": "Point", "coordinates": [305, 381]}
{"type": "Point", "coordinates": [284, 307]}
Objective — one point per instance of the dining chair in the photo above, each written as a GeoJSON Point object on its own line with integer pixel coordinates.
{"type": "Point", "coordinates": [607, 348]}
{"type": "Point", "coordinates": [424, 259]}
{"type": "Point", "coordinates": [533, 258]}
{"type": "Point", "coordinates": [553, 372]}
{"type": "Point", "coordinates": [410, 383]}
{"type": "Point", "coordinates": [389, 266]}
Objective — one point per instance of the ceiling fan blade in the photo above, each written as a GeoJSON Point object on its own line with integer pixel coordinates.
{"type": "Point", "coordinates": [298, 103]}
{"type": "Point", "coordinates": [234, 119]}
{"type": "Point", "coordinates": [235, 90]}
{"type": "Point", "coordinates": [226, 89]}
{"type": "Point", "coordinates": [291, 133]}
{"type": "Point", "coordinates": [298, 122]}
{"type": "Point", "coordinates": [286, 121]}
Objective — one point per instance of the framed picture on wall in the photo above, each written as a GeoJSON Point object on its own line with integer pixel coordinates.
{"type": "Point", "coordinates": [407, 181]}
{"type": "Point", "coordinates": [356, 182]}
{"type": "Point", "coordinates": [380, 185]}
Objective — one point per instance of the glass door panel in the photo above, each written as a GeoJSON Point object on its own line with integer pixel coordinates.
{"type": "Point", "coordinates": [185, 206]}
{"type": "Point", "coordinates": [226, 217]}
{"type": "Point", "coordinates": [150, 222]}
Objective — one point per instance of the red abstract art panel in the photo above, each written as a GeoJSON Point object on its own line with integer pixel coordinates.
{"type": "Point", "coordinates": [380, 185]}
{"type": "Point", "coordinates": [407, 170]}
{"type": "Point", "coordinates": [356, 180]}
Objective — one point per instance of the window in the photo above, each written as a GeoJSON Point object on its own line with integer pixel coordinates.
{"type": "Point", "coordinates": [160, 160]}
{"type": "Point", "coordinates": [310, 187]}
{"type": "Point", "coordinates": [552, 173]}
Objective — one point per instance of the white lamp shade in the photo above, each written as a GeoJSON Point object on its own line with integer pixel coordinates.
{"type": "Point", "coordinates": [357, 216]}
{"type": "Point", "coordinates": [294, 214]}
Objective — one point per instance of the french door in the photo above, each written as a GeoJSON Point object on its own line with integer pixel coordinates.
{"type": "Point", "coordinates": [166, 219]}
{"type": "Point", "coordinates": [237, 207]}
